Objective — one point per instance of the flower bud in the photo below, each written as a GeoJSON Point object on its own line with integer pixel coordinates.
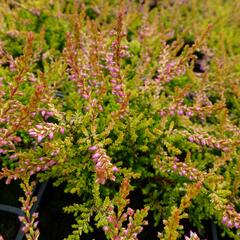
{"type": "Point", "coordinates": [93, 148]}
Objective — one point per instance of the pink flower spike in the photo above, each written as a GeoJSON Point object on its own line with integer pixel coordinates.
{"type": "Point", "coordinates": [191, 139]}
{"type": "Point", "coordinates": [113, 178]}
{"type": "Point", "coordinates": [39, 126]}
{"type": "Point", "coordinates": [224, 219]}
{"type": "Point", "coordinates": [45, 168]}
{"type": "Point", "coordinates": [125, 232]}
{"type": "Point", "coordinates": [217, 145]}
{"type": "Point", "coordinates": [171, 113]}
{"type": "Point", "coordinates": [191, 177]}
{"type": "Point", "coordinates": [115, 169]}
{"type": "Point", "coordinates": [105, 228]}
{"type": "Point", "coordinates": [110, 219]}
{"type": "Point", "coordinates": [62, 130]}
{"type": "Point", "coordinates": [51, 163]}
{"type": "Point", "coordinates": [162, 113]}
{"type": "Point", "coordinates": [180, 112]}
{"type": "Point", "coordinates": [51, 135]}
{"type": "Point", "coordinates": [237, 225]}
{"type": "Point", "coordinates": [13, 156]}
{"type": "Point", "coordinates": [99, 164]}
{"type": "Point", "coordinates": [40, 138]}
{"type": "Point", "coordinates": [176, 159]}
{"type": "Point", "coordinates": [118, 87]}
{"type": "Point", "coordinates": [96, 156]}
{"type": "Point", "coordinates": [85, 96]}
{"type": "Point", "coordinates": [189, 114]}
{"type": "Point", "coordinates": [43, 113]}
{"type": "Point", "coordinates": [8, 181]}
{"type": "Point", "coordinates": [21, 218]}
{"type": "Point", "coordinates": [32, 134]}
{"type": "Point", "coordinates": [134, 235]}
{"type": "Point", "coordinates": [50, 114]}
{"type": "Point", "coordinates": [183, 172]}
{"type": "Point", "coordinates": [229, 224]}
{"type": "Point", "coordinates": [130, 211]}
{"type": "Point", "coordinates": [35, 224]}
{"type": "Point", "coordinates": [24, 229]}
{"type": "Point", "coordinates": [38, 169]}
{"type": "Point", "coordinates": [93, 148]}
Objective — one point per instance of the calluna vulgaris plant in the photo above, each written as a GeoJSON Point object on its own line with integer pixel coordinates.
{"type": "Point", "coordinates": [124, 100]}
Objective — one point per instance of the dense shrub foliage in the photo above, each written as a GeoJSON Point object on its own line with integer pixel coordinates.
{"type": "Point", "coordinates": [134, 105]}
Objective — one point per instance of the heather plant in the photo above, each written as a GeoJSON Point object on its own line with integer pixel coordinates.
{"type": "Point", "coordinates": [113, 97]}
